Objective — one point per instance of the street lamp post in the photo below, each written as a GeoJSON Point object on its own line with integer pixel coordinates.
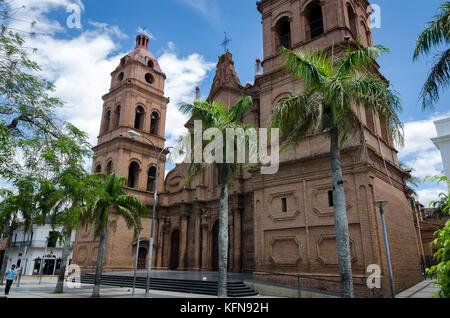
{"type": "Point", "coordinates": [133, 134]}
{"type": "Point", "coordinates": [136, 262]}
{"type": "Point", "coordinates": [380, 205]}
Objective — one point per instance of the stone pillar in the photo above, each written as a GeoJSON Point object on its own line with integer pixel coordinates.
{"type": "Point", "coordinates": [197, 243]}
{"type": "Point", "coordinates": [205, 254]}
{"type": "Point", "coordinates": [159, 245]}
{"type": "Point", "coordinates": [183, 243]}
{"type": "Point", "coordinates": [237, 240]}
{"type": "Point", "coordinates": [155, 243]}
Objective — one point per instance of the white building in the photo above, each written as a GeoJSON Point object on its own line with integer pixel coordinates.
{"type": "Point", "coordinates": [442, 142]}
{"type": "Point", "coordinates": [38, 248]}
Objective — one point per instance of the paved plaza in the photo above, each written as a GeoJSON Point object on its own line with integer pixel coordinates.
{"type": "Point", "coordinates": [30, 288]}
{"type": "Point", "coordinates": [425, 289]}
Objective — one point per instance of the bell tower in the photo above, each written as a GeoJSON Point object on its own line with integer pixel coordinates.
{"type": "Point", "coordinates": [311, 24]}
{"type": "Point", "coordinates": [136, 102]}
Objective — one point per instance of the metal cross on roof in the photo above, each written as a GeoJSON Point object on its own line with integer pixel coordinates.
{"type": "Point", "coordinates": [225, 42]}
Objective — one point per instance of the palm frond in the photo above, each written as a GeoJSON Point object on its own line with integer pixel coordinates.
{"type": "Point", "coordinates": [359, 60]}
{"type": "Point", "coordinates": [296, 115]}
{"type": "Point", "coordinates": [437, 32]}
{"type": "Point", "coordinates": [312, 67]}
{"type": "Point", "coordinates": [240, 108]}
{"type": "Point", "coordinates": [438, 78]}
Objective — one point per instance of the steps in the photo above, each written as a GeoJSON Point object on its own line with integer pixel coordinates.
{"type": "Point", "coordinates": [234, 289]}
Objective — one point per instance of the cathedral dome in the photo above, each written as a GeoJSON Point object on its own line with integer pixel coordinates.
{"type": "Point", "coordinates": [142, 54]}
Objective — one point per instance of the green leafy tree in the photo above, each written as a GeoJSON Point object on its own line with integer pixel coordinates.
{"type": "Point", "coordinates": [27, 107]}
{"type": "Point", "coordinates": [442, 240]}
{"type": "Point", "coordinates": [18, 208]}
{"type": "Point", "coordinates": [216, 116]}
{"type": "Point", "coordinates": [65, 186]}
{"type": "Point", "coordinates": [108, 198]}
{"type": "Point", "coordinates": [436, 34]}
{"type": "Point", "coordinates": [333, 85]}
{"type": "Point", "coordinates": [441, 206]}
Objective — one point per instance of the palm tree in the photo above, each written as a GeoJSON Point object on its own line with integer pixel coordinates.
{"type": "Point", "coordinates": [18, 210]}
{"type": "Point", "coordinates": [9, 222]}
{"type": "Point", "coordinates": [110, 197]}
{"type": "Point", "coordinates": [332, 86]}
{"type": "Point", "coordinates": [217, 116]}
{"type": "Point", "coordinates": [441, 207]}
{"type": "Point", "coordinates": [436, 33]}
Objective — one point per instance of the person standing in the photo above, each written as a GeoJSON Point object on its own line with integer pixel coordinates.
{"type": "Point", "coordinates": [11, 275]}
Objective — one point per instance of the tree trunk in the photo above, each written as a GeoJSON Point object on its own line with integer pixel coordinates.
{"type": "Point", "coordinates": [5, 257]}
{"type": "Point", "coordinates": [62, 269]}
{"type": "Point", "coordinates": [223, 239]}
{"type": "Point", "coordinates": [340, 218]}
{"type": "Point", "coordinates": [100, 262]}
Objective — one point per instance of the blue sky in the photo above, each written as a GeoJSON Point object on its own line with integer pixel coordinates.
{"type": "Point", "coordinates": [187, 36]}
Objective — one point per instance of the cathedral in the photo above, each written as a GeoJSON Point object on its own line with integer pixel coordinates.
{"type": "Point", "coordinates": [281, 223]}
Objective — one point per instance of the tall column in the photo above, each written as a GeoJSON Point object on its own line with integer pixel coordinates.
{"type": "Point", "coordinates": [183, 243]}
{"type": "Point", "coordinates": [205, 253]}
{"type": "Point", "coordinates": [160, 245]}
{"type": "Point", "coordinates": [155, 243]}
{"type": "Point", "coordinates": [237, 241]}
{"type": "Point", "coordinates": [197, 244]}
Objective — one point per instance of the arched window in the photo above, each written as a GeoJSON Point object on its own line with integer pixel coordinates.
{"type": "Point", "coordinates": [154, 123]}
{"type": "Point", "coordinates": [364, 40]}
{"type": "Point", "coordinates": [133, 174]}
{"type": "Point", "coordinates": [369, 120]}
{"type": "Point", "coordinates": [109, 168]}
{"type": "Point", "coordinates": [98, 169]}
{"type": "Point", "coordinates": [315, 20]}
{"type": "Point", "coordinates": [116, 121]}
{"type": "Point", "coordinates": [139, 119]}
{"type": "Point", "coordinates": [384, 129]}
{"type": "Point", "coordinates": [352, 20]}
{"type": "Point", "coordinates": [150, 64]}
{"type": "Point", "coordinates": [151, 178]}
{"type": "Point", "coordinates": [107, 122]}
{"type": "Point", "coordinates": [283, 33]}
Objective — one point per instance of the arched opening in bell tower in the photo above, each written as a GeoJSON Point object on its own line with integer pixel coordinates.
{"type": "Point", "coordinates": [283, 33]}
{"type": "Point", "coordinates": [154, 122]}
{"type": "Point", "coordinates": [352, 21]}
{"type": "Point", "coordinates": [139, 118]}
{"type": "Point", "coordinates": [116, 120]}
{"type": "Point", "coordinates": [151, 179]}
{"type": "Point", "coordinates": [133, 174]}
{"type": "Point", "coordinates": [315, 20]}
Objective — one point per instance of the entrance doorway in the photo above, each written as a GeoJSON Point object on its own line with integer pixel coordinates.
{"type": "Point", "coordinates": [174, 250]}
{"type": "Point", "coordinates": [142, 256]}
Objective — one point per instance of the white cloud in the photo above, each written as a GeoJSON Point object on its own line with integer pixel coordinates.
{"type": "Point", "coordinates": [430, 194]}
{"type": "Point", "coordinates": [80, 67]}
{"type": "Point", "coordinates": [183, 74]}
{"type": "Point", "coordinates": [421, 154]}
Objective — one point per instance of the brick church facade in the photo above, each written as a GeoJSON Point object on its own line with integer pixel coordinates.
{"type": "Point", "coordinates": [277, 223]}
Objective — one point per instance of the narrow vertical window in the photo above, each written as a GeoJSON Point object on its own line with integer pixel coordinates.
{"type": "Point", "coordinates": [330, 198]}
{"type": "Point", "coordinates": [284, 205]}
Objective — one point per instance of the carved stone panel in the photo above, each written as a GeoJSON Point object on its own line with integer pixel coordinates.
{"type": "Point", "coordinates": [284, 250]}
{"type": "Point", "coordinates": [327, 250]}
{"type": "Point", "coordinates": [275, 204]}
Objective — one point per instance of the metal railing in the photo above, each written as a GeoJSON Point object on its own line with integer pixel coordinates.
{"type": "Point", "coordinates": [38, 244]}
{"type": "Point", "coordinates": [314, 284]}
